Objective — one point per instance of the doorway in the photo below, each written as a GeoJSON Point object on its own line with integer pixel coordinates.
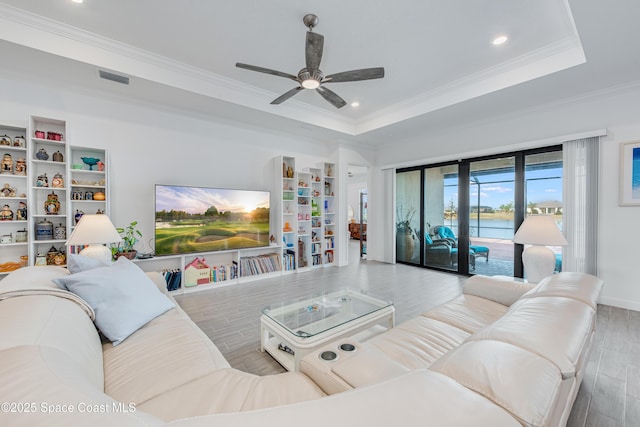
{"type": "Point", "coordinates": [357, 212]}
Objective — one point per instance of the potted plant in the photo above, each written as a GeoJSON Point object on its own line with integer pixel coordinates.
{"type": "Point", "coordinates": [130, 236]}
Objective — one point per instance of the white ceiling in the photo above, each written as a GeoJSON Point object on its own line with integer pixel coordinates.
{"type": "Point", "coordinates": [441, 67]}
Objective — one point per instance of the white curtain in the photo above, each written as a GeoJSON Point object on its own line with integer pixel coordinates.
{"type": "Point", "coordinates": [580, 211]}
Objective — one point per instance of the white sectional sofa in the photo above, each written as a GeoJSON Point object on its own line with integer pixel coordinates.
{"type": "Point", "coordinates": [491, 362]}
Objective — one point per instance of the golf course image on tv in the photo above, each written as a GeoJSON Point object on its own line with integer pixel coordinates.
{"type": "Point", "coordinates": [200, 219]}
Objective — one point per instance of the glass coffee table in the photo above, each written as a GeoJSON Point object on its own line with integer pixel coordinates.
{"type": "Point", "coordinates": [292, 329]}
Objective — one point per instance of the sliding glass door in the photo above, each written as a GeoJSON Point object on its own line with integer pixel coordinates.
{"type": "Point", "coordinates": [462, 216]}
{"type": "Point", "coordinates": [491, 215]}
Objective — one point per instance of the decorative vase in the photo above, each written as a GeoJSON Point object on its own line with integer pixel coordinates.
{"type": "Point", "coordinates": [58, 157]}
{"type": "Point", "coordinates": [42, 154]}
{"type": "Point", "coordinates": [78, 215]}
{"type": "Point", "coordinates": [405, 245]}
{"type": "Point", "coordinates": [52, 204]}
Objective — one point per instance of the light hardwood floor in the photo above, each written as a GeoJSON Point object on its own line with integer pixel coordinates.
{"type": "Point", "coordinates": [610, 391]}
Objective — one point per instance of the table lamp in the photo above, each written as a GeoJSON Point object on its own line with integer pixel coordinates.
{"type": "Point", "coordinates": [95, 231]}
{"type": "Point", "coordinates": [539, 231]}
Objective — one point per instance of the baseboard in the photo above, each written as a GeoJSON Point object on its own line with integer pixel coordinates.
{"type": "Point", "coordinates": [620, 303]}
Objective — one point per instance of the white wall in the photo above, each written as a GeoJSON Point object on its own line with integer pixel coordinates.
{"type": "Point", "coordinates": [618, 111]}
{"type": "Point", "coordinates": [149, 146]}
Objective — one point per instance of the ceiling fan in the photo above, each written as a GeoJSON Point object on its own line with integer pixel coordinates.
{"type": "Point", "coordinates": [311, 77]}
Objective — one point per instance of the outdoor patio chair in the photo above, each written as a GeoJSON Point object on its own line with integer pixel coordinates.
{"type": "Point", "coordinates": [445, 232]}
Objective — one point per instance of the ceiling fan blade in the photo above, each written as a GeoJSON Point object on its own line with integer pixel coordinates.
{"type": "Point", "coordinates": [287, 95]}
{"type": "Point", "coordinates": [313, 50]}
{"type": "Point", "coordinates": [355, 75]}
{"type": "Point", "coordinates": [331, 96]}
{"type": "Point", "coordinates": [266, 71]}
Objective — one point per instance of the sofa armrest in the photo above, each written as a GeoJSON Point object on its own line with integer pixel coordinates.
{"type": "Point", "coordinates": [501, 289]}
{"type": "Point", "coordinates": [417, 398]}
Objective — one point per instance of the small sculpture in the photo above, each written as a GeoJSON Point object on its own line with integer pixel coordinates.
{"type": "Point", "coordinates": [21, 212]}
{"type": "Point", "coordinates": [8, 191]}
{"type": "Point", "coordinates": [21, 166]}
{"type": "Point", "coordinates": [7, 164]}
{"type": "Point", "coordinates": [6, 214]}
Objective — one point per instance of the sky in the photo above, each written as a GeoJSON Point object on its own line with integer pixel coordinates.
{"type": "Point", "coordinates": [494, 191]}
{"type": "Point", "coordinates": [197, 199]}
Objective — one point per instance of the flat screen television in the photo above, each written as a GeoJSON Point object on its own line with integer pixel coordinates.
{"type": "Point", "coordinates": [200, 219]}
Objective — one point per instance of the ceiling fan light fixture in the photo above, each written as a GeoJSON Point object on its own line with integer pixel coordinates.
{"type": "Point", "coordinates": [310, 84]}
{"type": "Point", "coordinates": [500, 40]}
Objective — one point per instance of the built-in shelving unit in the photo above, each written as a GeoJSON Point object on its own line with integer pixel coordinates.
{"type": "Point", "coordinates": [305, 214]}
{"type": "Point", "coordinates": [201, 271]}
{"type": "Point", "coordinates": [14, 236]}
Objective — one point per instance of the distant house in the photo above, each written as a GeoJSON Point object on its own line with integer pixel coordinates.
{"type": "Point", "coordinates": [481, 209]}
{"type": "Point", "coordinates": [197, 272]}
{"type": "Point", "coordinates": [549, 208]}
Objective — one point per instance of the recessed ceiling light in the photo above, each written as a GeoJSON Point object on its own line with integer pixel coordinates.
{"type": "Point", "coordinates": [499, 40]}
{"type": "Point", "coordinates": [355, 104]}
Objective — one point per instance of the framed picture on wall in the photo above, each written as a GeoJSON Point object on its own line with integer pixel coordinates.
{"type": "Point", "coordinates": [630, 174]}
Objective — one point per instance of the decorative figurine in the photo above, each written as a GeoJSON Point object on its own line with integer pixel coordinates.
{"type": "Point", "coordinates": [42, 154]}
{"type": "Point", "coordinates": [88, 195]}
{"type": "Point", "coordinates": [6, 214]}
{"type": "Point", "coordinates": [8, 191]}
{"type": "Point", "coordinates": [52, 204]}
{"type": "Point", "coordinates": [100, 166]}
{"type": "Point", "coordinates": [5, 140]}
{"type": "Point", "coordinates": [77, 195]}
{"type": "Point", "coordinates": [58, 157]}
{"type": "Point", "coordinates": [7, 164]}
{"type": "Point", "coordinates": [42, 180]}
{"type": "Point", "coordinates": [60, 259]}
{"type": "Point", "coordinates": [21, 166]}
{"type": "Point", "coordinates": [19, 141]}
{"type": "Point", "coordinates": [57, 181]}
{"type": "Point", "coordinates": [21, 212]}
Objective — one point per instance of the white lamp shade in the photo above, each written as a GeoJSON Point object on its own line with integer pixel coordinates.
{"type": "Point", "coordinates": [94, 229]}
{"type": "Point", "coordinates": [539, 230]}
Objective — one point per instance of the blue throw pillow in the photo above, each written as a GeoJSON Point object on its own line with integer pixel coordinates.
{"type": "Point", "coordinates": [428, 239]}
{"type": "Point", "coordinates": [122, 296]}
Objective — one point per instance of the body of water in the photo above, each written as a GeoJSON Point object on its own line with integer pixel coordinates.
{"type": "Point", "coordinates": [490, 228]}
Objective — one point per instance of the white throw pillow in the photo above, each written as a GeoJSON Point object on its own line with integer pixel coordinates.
{"type": "Point", "coordinates": [79, 263]}
{"type": "Point", "coordinates": [122, 296]}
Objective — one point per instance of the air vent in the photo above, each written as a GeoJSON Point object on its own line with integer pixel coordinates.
{"type": "Point", "coordinates": [113, 77]}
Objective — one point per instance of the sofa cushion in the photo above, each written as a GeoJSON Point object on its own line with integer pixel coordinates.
{"type": "Point", "coordinates": [556, 328]}
{"type": "Point", "coordinates": [419, 342]}
{"type": "Point", "coordinates": [49, 379]}
{"type": "Point", "coordinates": [79, 263]}
{"type": "Point", "coordinates": [467, 312]}
{"type": "Point", "coordinates": [122, 296]}
{"type": "Point", "coordinates": [43, 321]}
{"type": "Point", "coordinates": [501, 289]}
{"type": "Point", "coordinates": [521, 382]}
{"type": "Point", "coordinates": [230, 390]}
{"type": "Point", "coordinates": [579, 286]}
{"type": "Point", "coordinates": [181, 353]}
{"type": "Point", "coordinates": [415, 398]}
